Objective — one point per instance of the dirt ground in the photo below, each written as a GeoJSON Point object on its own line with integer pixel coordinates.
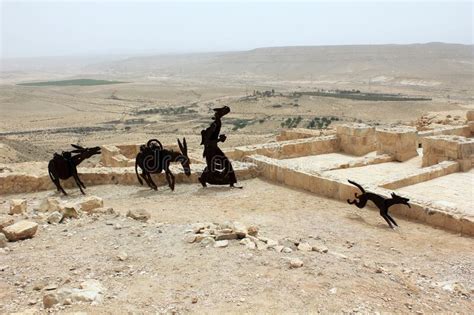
{"type": "Point", "coordinates": [368, 267]}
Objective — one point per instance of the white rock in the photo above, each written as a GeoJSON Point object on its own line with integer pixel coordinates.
{"type": "Point", "coordinates": [208, 241]}
{"type": "Point", "coordinates": [17, 206]}
{"type": "Point", "coordinates": [286, 250]}
{"type": "Point", "coordinates": [50, 204]}
{"type": "Point", "coordinates": [296, 263]}
{"type": "Point", "coordinates": [70, 211]}
{"type": "Point", "coordinates": [55, 217]}
{"type": "Point", "coordinates": [320, 248]}
{"type": "Point", "coordinates": [190, 238]}
{"type": "Point", "coordinates": [20, 230]}
{"type": "Point", "coordinates": [278, 248]}
{"type": "Point", "coordinates": [305, 247]}
{"type": "Point", "coordinates": [139, 215]}
{"type": "Point", "coordinates": [90, 203]}
{"type": "Point", "coordinates": [122, 256]}
{"type": "Point", "coordinates": [221, 244]}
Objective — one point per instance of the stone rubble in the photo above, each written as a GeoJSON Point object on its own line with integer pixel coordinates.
{"type": "Point", "coordinates": [20, 230]}
{"type": "Point", "coordinates": [17, 206]}
{"type": "Point", "coordinates": [220, 236]}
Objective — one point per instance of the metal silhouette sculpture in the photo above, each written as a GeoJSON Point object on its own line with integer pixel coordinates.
{"type": "Point", "coordinates": [153, 159]}
{"type": "Point", "coordinates": [381, 202]}
{"type": "Point", "coordinates": [64, 165]}
{"type": "Point", "coordinates": [219, 170]}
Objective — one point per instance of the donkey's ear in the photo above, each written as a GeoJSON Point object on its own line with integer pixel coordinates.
{"type": "Point", "coordinates": [394, 195]}
{"type": "Point", "coordinates": [185, 145]}
{"type": "Point", "coordinates": [180, 146]}
{"type": "Point", "coordinates": [77, 146]}
{"type": "Point", "coordinates": [76, 151]}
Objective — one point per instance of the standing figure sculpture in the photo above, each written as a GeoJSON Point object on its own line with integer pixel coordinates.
{"type": "Point", "coordinates": [64, 165]}
{"type": "Point", "coordinates": [153, 159]}
{"type": "Point", "coordinates": [218, 169]}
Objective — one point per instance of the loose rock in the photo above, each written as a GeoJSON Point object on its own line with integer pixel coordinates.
{"type": "Point", "coordinates": [55, 217]}
{"type": "Point", "coordinates": [70, 211]}
{"type": "Point", "coordinates": [17, 206]}
{"type": "Point", "coordinates": [49, 300]}
{"type": "Point", "coordinates": [5, 221]}
{"type": "Point", "coordinates": [20, 230]}
{"type": "Point", "coordinates": [252, 230]}
{"type": "Point", "coordinates": [296, 263]}
{"type": "Point", "coordinates": [221, 244]}
{"type": "Point", "coordinates": [139, 215]}
{"type": "Point", "coordinates": [305, 247]}
{"type": "Point", "coordinates": [90, 203]}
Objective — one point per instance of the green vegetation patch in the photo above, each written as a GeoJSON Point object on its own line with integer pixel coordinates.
{"type": "Point", "coordinates": [75, 82]}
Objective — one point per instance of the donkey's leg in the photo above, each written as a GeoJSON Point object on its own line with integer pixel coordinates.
{"type": "Point", "coordinates": [150, 179]}
{"type": "Point", "coordinates": [78, 183]}
{"type": "Point", "coordinates": [170, 179]}
{"type": "Point", "coordinates": [59, 187]}
{"type": "Point", "coordinates": [144, 176]}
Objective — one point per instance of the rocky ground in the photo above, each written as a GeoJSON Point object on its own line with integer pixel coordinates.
{"type": "Point", "coordinates": [310, 254]}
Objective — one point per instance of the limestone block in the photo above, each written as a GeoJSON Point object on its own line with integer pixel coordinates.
{"type": "Point", "coordinates": [400, 142]}
{"type": "Point", "coordinates": [20, 230]}
{"type": "Point", "coordinates": [470, 115]}
{"type": "Point", "coordinates": [17, 206]}
{"type": "Point", "coordinates": [356, 139]}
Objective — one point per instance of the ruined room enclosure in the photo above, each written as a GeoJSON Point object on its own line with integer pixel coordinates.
{"type": "Point", "coordinates": [432, 168]}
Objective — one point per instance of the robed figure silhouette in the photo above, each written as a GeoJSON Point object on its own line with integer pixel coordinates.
{"type": "Point", "coordinates": [219, 170]}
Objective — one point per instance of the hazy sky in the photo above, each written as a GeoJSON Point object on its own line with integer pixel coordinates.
{"type": "Point", "coordinates": [38, 28]}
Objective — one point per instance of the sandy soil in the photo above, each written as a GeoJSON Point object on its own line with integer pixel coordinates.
{"type": "Point", "coordinates": [369, 268]}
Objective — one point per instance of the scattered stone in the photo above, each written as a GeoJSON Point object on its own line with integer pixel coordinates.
{"type": "Point", "coordinates": [39, 285]}
{"type": "Point", "coordinates": [278, 248]}
{"type": "Point", "coordinates": [194, 300]}
{"type": "Point", "coordinates": [296, 263]}
{"type": "Point", "coordinates": [198, 227]}
{"type": "Point", "coordinates": [252, 230]}
{"type": "Point", "coordinates": [305, 247]}
{"type": "Point", "coordinates": [51, 287]}
{"type": "Point", "coordinates": [208, 241]}
{"type": "Point", "coordinates": [286, 250]}
{"type": "Point", "coordinates": [226, 236]}
{"type": "Point", "coordinates": [139, 215]}
{"type": "Point", "coordinates": [5, 221]}
{"type": "Point", "coordinates": [320, 248]}
{"type": "Point", "coordinates": [248, 243]}
{"type": "Point", "coordinates": [90, 203]}
{"type": "Point", "coordinates": [55, 217]}
{"type": "Point", "coordinates": [261, 245]}
{"type": "Point", "coordinates": [17, 206]}
{"type": "Point", "coordinates": [221, 244]}
{"type": "Point", "coordinates": [49, 300]}
{"type": "Point", "coordinates": [3, 240]}
{"type": "Point", "coordinates": [333, 291]}
{"type": "Point", "coordinates": [20, 230]}
{"type": "Point", "coordinates": [50, 204]}
{"type": "Point", "coordinates": [190, 238]}
{"type": "Point", "coordinates": [117, 226]}
{"type": "Point", "coordinates": [239, 229]}
{"type": "Point", "coordinates": [70, 211]}
{"type": "Point", "coordinates": [122, 256]}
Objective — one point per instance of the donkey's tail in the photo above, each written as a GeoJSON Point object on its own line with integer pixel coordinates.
{"type": "Point", "coordinates": [357, 185]}
{"type": "Point", "coordinates": [136, 172]}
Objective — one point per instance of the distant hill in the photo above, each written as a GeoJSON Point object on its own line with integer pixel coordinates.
{"type": "Point", "coordinates": [426, 65]}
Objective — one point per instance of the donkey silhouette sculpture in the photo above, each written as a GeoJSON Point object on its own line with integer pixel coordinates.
{"type": "Point", "coordinates": [381, 202]}
{"type": "Point", "coordinates": [64, 165]}
{"type": "Point", "coordinates": [153, 159]}
{"type": "Point", "coordinates": [218, 169]}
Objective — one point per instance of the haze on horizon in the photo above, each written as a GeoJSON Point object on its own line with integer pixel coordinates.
{"type": "Point", "coordinates": [40, 28]}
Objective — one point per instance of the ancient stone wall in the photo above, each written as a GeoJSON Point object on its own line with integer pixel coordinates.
{"type": "Point", "coordinates": [448, 148]}
{"type": "Point", "coordinates": [301, 133]}
{"type": "Point", "coordinates": [356, 139]}
{"type": "Point", "coordinates": [400, 142]}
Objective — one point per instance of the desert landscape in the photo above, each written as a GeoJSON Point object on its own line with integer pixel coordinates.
{"type": "Point", "coordinates": [303, 120]}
